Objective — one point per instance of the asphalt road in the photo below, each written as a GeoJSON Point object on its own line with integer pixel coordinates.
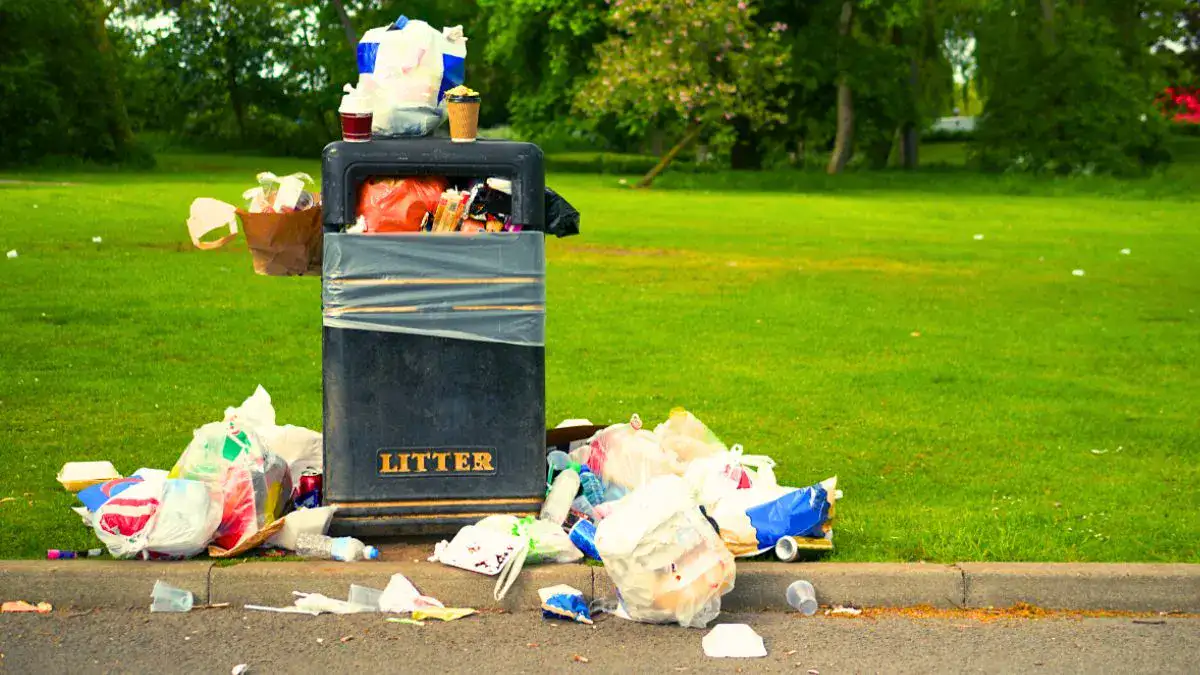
{"type": "Point", "coordinates": [216, 640]}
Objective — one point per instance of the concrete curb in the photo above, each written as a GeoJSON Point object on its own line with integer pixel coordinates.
{"type": "Point", "coordinates": [86, 584]}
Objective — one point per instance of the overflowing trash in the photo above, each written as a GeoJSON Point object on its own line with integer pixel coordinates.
{"type": "Point", "coordinates": [666, 511]}
{"type": "Point", "coordinates": [281, 220]}
{"type": "Point", "coordinates": [230, 491]}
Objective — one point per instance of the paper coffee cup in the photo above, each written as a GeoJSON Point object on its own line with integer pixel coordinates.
{"type": "Point", "coordinates": [464, 117]}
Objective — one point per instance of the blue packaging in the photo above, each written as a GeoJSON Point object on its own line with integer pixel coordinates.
{"type": "Point", "coordinates": [583, 535]}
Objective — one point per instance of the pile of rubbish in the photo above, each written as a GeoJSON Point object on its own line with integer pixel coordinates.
{"type": "Point", "coordinates": [241, 483]}
{"type": "Point", "coordinates": [666, 511]}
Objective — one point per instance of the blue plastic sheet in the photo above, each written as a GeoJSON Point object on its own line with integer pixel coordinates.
{"type": "Point", "coordinates": [800, 513]}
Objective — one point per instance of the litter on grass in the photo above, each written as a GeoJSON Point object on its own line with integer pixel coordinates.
{"type": "Point", "coordinates": [20, 606]}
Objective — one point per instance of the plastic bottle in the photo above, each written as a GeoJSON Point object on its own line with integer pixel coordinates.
{"type": "Point", "coordinates": [583, 506]}
{"type": "Point", "coordinates": [592, 486]}
{"type": "Point", "coordinates": [802, 597]}
{"type": "Point", "coordinates": [562, 493]}
{"type": "Point", "coordinates": [343, 549]}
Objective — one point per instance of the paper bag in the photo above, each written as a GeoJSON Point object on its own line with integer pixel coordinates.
{"type": "Point", "coordinates": [284, 244]}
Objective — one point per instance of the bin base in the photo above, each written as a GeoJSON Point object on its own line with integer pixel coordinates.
{"type": "Point", "coordinates": [430, 516]}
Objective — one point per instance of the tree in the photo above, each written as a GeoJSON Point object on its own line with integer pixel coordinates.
{"type": "Point", "coordinates": [687, 65]}
{"type": "Point", "coordinates": [545, 47]}
{"type": "Point", "coordinates": [1070, 87]}
{"type": "Point", "coordinates": [60, 91]}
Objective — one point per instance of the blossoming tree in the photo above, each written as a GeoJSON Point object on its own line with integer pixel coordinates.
{"type": "Point", "coordinates": [693, 65]}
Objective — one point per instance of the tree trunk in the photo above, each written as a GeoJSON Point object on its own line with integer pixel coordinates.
{"type": "Point", "coordinates": [690, 136]}
{"type": "Point", "coordinates": [351, 34]}
{"type": "Point", "coordinates": [909, 138]}
{"type": "Point", "coordinates": [112, 106]}
{"type": "Point", "coordinates": [1048, 20]}
{"type": "Point", "coordinates": [745, 155]}
{"type": "Point", "coordinates": [844, 141]}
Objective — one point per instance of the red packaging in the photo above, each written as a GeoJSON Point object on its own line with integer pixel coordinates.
{"type": "Point", "coordinates": [398, 204]}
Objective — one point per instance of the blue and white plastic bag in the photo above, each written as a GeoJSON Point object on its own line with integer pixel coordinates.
{"type": "Point", "coordinates": [406, 68]}
{"type": "Point", "coordinates": [752, 521]}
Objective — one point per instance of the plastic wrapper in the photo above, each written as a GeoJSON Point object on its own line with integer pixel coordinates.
{"type": "Point", "coordinates": [627, 455]}
{"type": "Point", "coordinates": [398, 204]}
{"type": "Point", "coordinates": [545, 541]}
{"type": "Point", "coordinates": [255, 483]}
{"type": "Point", "coordinates": [686, 436]}
{"type": "Point", "coordinates": [187, 518]}
{"type": "Point", "coordinates": [752, 521]}
{"type": "Point", "coordinates": [485, 287]}
{"type": "Point", "coordinates": [666, 560]}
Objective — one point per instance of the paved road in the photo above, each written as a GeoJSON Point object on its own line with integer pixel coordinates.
{"type": "Point", "coordinates": [214, 641]}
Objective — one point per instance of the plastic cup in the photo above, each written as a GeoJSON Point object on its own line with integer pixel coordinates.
{"type": "Point", "coordinates": [367, 597]}
{"type": "Point", "coordinates": [464, 117]}
{"type": "Point", "coordinates": [167, 598]}
{"type": "Point", "coordinates": [802, 597]}
{"type": "Point", "coordinates": [356, 127]}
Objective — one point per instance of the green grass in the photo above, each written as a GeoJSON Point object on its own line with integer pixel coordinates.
{"type": "Point", "coordinates": [784, 317]}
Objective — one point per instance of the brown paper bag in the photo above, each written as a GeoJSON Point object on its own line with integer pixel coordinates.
{"type": "Point", "coordinates": [284, 244]}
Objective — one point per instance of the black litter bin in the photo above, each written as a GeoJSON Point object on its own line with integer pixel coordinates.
{"type": "Point", "coordinates": [433, 354]}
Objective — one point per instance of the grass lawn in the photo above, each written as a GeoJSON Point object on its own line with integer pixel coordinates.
{"type": "Point", "coordinates": [976, 399]}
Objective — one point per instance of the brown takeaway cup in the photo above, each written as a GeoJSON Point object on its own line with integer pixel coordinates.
{"type": "Point", "coordinates": [464, 117]}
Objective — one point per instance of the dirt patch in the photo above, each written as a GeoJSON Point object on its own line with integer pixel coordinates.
{"type": "Point", "coordinates": [1016, 612]}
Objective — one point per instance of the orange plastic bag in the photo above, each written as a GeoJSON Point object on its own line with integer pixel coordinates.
{"type": "Point", "coordinates": [398, 204]}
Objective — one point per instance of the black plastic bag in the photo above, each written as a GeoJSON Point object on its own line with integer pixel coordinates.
{"type": "Point", "coordinates": [562, 220]}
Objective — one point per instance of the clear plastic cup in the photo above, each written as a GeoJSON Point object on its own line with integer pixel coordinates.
{"type": "Point", "coordinates": [367, 597]}
{"type": "Point", "coordinates": [167, 598]}
{"type": "Point", "coordinates": [802, 597]}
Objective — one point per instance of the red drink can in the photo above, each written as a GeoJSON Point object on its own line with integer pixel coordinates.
{"type": "Point", "coordinates": [308, 492]}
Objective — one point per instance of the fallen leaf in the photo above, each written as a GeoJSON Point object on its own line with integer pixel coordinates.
{"type": "Point", "coordinates": [580, 659]}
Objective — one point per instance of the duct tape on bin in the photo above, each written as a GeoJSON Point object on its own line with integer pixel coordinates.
{"type": "Point", "coordinates": [484, 287]}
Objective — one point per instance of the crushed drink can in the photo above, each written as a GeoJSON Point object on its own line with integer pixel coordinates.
{"type": "Point", "coordinates": [308, 490]}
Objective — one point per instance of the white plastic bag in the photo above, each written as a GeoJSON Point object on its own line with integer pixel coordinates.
{"type": "Point", "coordinates": [123, 523]}
{"type": "Point", "coordinates": [666, 560]}
{"type": "Point", "coordinates": [405, 68]}
{"type": "Point", "coordinates": [627, 455]}
{"type": "Point", "coordinates": [301, 448]}
{"type": "Point", "coordinates": [688, 437]}
{"type": "Point", "coordinates": [187, 518]}
{"type": "Point", "coordinates": [401, 596]}
{"type": "Point", "coordinates": [714, 477]}
{"type": "Point", "coordinates": [547, 542]}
